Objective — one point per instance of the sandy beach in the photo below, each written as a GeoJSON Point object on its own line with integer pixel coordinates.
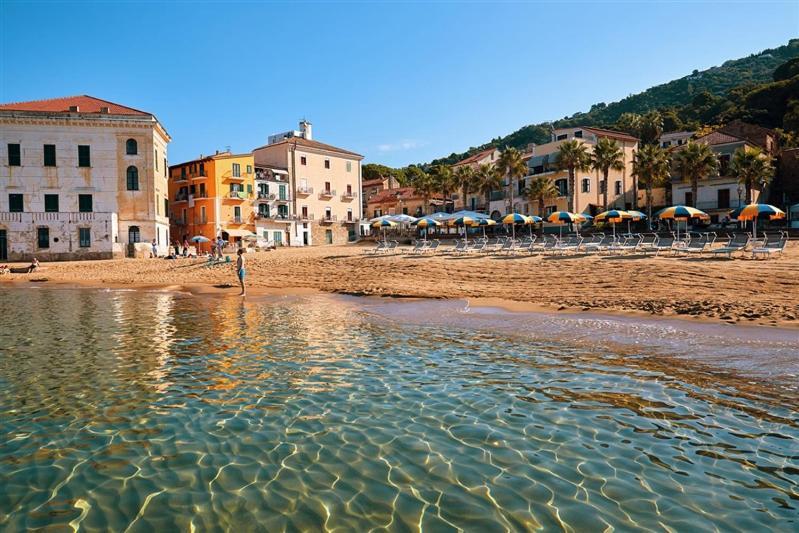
{"type": "Point", "coordinates": [735, 291]}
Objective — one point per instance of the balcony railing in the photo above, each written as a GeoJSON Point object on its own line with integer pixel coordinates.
{"type": "Point", "coordinates": [200, 220]}
{"type": "Point", "coordinates": [268, 176]}
{"type": "Point", "coordinates": [326, 194]}
{"type": "Point", "coordinates": [304, 191]}
{"type": "Point", "coordinates": [304, 218]}
{"type": "Point", "coordinates": [715, 204]}
{"type": "Point", "coordinates": [237, 220]}
{"type": "Point", "coordinates": [347, 196]}
{"type": "Point", "coordinates": [328, 219]}
{"type": "Point", "coordinates": [60, 216]}
{"type": "Point", "coordinates": [266, 196]}
{"type": "Point", "coordinates": [238, 195]}
{"type": "Point", "coordinates": [352, 220]}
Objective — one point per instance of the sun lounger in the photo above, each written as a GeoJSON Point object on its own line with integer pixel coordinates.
{"type": "Point", "coordinates": [569, 244]}
{"type": "Point", "coordinates": [459, 248]}
{"type": "Point", "coordinates": [737, 243]}
{"type": "Point", "coordinates": [663, 244]}
{"type": "Point", "coordinates": [479, 246]}
{"type": "Point", "coordinates": [378, 248]}
{"type": "Point", "coordinates": [629, 243]}
{"type": "Point", "coordinates": [432, 247]}
{"type": "Point", "coordinates": [390, 247]}
{"type": "Point", "coordinates": [507, 247]}
{"type": "Point", "coordinates": [697, 245]}
{"type": "Point", "coordinates": [418, 247]}
{"type": "Point", "coordinates": [527, 245]}
{"type": "Point", "coordinates": [775, 244]}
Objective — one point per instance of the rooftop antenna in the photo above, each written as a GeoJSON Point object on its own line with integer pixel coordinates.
{"type": "Point", "coordinates": [227, 148]}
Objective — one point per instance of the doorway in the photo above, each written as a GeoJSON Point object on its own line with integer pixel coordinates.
{"type": "Point", "coordinates": [329, 236]}
{"type": "Point", "coordinates": [3, 245]}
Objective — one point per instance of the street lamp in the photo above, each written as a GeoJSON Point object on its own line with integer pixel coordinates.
{"type": "Point", "coordinates": [740, 191]}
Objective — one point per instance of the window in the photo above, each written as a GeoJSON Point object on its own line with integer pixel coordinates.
{"type": "Point", "coordinates": [131, 147]}
{"type": "Point", "coordinates": [327, 163]}
{"type": "Point", "coordinates": [548, 210]}
{"type": "Point", "coordinates": [85, 237]}
{"type": "Point", "coordinates": [723, 198]}
{"type": "Point", "coordinates": [724, 164]}
{"type": "Point", "coordinates": [133, 178]}
{"type": "Point", "coordinates": [15, 204]}
{"type": "Point", "coordinates": [602, 186]}
{"type": "Point", "coordinates": [166, 207]}
{"type": "Point", "coordinates": [202, 169]}
{"type": "Point", "coordinates": [134, 235]}
{"type": "Point", "coordinates": [237, 213]}
{"type": "Point", "coordinates": [203, 217]}
{"type": "Point", "coordinates": [249, 169]}
{"type": "Point", "coordinates": [84, 156]}
{"type": "Point", "coordinates": [165, 167]}
{"type": "Point", "coordinates": [689, 199]}
{"type": "Point", "coordinates": [349, 166]}
{"type": "Point", "coordinates": [49, 155]}
{"type": "Point", "coordinates": [155, 159]}
{"type": "Point", "coordinates": [303, 160]}
{"type": "Point", "coordinates": [404, 210]}
{"type": "Point", "coordinates": [327, 187]}
{"type": "Point", "coordinates": [14, 159]}
{"type": "Point", "coordinates": [563, 187]}
{"type": "Point", "coordinates": [51, 203]}
{"type": "Point", "coordinates": [578, 134]}
{"type": "Point", "coordinates": [327, 213]}
{"type": "Point", "coordinates": [618, 187]}
{"type": "Point", "coordinates": [562, 137]}
{"type": "Point", "coordinates": [586, 187]}
{"type": "Point", "coordinates": [85, 203]}
{"type": "Point", "coordinates": [43, 237]}
{"type": "Point", "coordinates": [236, 170]}
{"type": "Point", "coordinates": [349, 215]}
{"type": "Point", "coordinates": [278, 237]}
{"type": "Point", "coordinates": [349, 190]}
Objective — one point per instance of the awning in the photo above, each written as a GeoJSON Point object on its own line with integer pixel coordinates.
{"type": "Point", "coordinates": [238, 232]}
{"type": "Point", "coordinates": [278, 171]}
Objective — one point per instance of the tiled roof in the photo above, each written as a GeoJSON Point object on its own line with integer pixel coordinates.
{"type": "Point", "coordinates": [718, 137]}
{"type": "Point", "coordinates": [474, 158]}
{"type": "Point", "coordinates": [599, 132]}
{"type": "Point", "coordinates": [85, 103]}
{"type": "Point", "coordinates": [299, 141]}
{"type": "Point", "coordinates": [393, 195]}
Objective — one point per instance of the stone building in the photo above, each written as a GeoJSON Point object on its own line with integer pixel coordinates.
{"type": "Point", "coordinates": [81, 178]}
{"type": "Point", "coordinates": [325, 186]}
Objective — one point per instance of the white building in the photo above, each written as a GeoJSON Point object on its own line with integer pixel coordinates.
{"type": "Point", "coordinates": [81, 178]}
{"type": "Point", "coordinates": [274, 220]}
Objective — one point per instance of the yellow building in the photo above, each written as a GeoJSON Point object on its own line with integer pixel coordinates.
{"type": "Point", "coordinates": [212, 196]}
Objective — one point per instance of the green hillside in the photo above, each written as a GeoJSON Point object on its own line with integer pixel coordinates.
{"type": "Point", "coordinates": [740, 88]}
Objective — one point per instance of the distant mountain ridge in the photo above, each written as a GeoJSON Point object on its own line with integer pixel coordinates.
{"type": "Point", "coordinates": [706, 86]}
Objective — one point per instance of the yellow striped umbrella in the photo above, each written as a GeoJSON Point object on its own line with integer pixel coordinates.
{"type": "Point", "coordinates": [681, 212]}
{"type": "Point", "coordinates": [613, 216]}
{"type": "Point", "coordinates": [754, 211]}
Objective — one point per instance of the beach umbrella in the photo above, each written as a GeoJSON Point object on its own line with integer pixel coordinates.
{"type": "Point", "coordinates": [613, 216]}
{"type": "Point", "coordinates": [513, 219]}
{"type": "Point", "coordinates": [425, 223]}
{"type": "Point", "coordinates": [200, 238]}
{"type": "Point", "coordinates": [401, 219]}
{"type": "Point", "coordinates": [636, 216]}
{"type": "Point", "coordinates": [483, 222]}
{"type": "Point", "coordinates": [754, 211]}
{"type": "Point", "coordinates": [565, 217]}
{"type": "Point", "coordinates": [464, 221]}
{"type": "Point", "coordinates": [384, 223]}
{"type": "Point", "coordinates": [681, 212]}
{"type": "Point", "coordinates": [531, 221]}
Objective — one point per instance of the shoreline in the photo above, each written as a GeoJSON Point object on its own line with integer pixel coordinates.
{"type": "Point", "coordinates": [739, 291]}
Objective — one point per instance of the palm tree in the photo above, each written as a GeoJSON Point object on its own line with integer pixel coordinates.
{"type": "Point", "coordinates": [651, 167]}
{"type": "Point", "coordinates": [465, 181]}
{"type": "Point", "coordinates": [651, 128]}
{"type": "Point", "coordinates": [573, 156]}
{"type": "Point", "coordinates": [540, 189]}
{"type": "Point", "coordinates": [423, 184]}
{"type": "Point", "coordinates": [443, 181]}
{"type": "Point", "coordinates": [607, 155]}
{"type": "Point", "coordinates": [510, 164]}
{"type": "Point", "coordinates": [753, 169]}
{"type": "Point", "coordinates": [488, 180]}
{"type": "Point", "coordinates": [693, 162]}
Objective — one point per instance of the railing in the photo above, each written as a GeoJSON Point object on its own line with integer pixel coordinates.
{"type": "Point", "coordinates": [181, 197]}
{"type": "Point", "coordinates": [305, 191]}
{"type": "Point", "coordinates": [261, 216]}
{"type": "Point", "coordinates": [349, 195]}
{"type": "Point", "coordinates": [715, 204]}
{"type": "Point", "coordinates": [238, 195]}
{"type": "Point", "coordinates": [200, 176]}
{"type": "Point", "coordinates": [327, 194]}
{"type": "Point", "coordinates": [282, 198]}
{"type": "Point", "coordinates": [352, 220]}
{"type": "Point", "coordinates": [327, 219]}
{"type": "Point", "coordinates": [236, 220]}
{"type": "Point", "coordinates": [201, 221]}
{"type": "Point", "coordinates": [268, 176]}
{"type": "Point", "coordinates": [304, 218]}
{"type": "Point", "coordinates": [63, 216]}
{"type": "Point", "coordinates": [265, 196]}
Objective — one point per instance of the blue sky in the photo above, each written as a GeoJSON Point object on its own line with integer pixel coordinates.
{"type": "Point", "coordinates": [397, 82]}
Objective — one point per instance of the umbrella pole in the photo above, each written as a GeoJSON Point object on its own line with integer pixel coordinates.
{"type": "Point", "coordinates": [514, 231]}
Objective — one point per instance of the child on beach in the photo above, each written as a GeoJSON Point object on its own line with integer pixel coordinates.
{"type": "Point", "coordinates": [240, 269]}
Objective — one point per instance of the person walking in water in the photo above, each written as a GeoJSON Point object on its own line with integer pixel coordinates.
{"type": "Point", "coordinates": [240, 269]}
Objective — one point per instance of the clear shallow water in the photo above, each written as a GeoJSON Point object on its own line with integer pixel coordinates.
{"type": "Point", "coordinates": [152, 411]}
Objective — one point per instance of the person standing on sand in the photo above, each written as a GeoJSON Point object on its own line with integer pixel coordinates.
{"type": "Point", "coordinates": [155, 249]}
{"type": "Point", "coordinates": [185, 247]}
{"type": "Point", "coordinates": [240, 269]}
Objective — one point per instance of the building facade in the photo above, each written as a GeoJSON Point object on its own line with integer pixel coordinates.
{"type": "Point", "coordinates": [81, 178]}
{"type": "Point", "coordinates": [274, 219]}
{"type": "Point", "coordinates": [325, 187]}
{"type": "Point", "coordinates": [213, 196]}
{"type": "Point", "coordinates": [589, 196]}
{"type": "Point", "coordinates": [475, 201]}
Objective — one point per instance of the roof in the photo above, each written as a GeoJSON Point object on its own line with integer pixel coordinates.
{"type": "Point", "coordinates": [599, 132]}
{"type": "Point", "coordinates": [393, 195]}
{"type": "Point", "coordinates": [675, 135]}
{"type": "Point", "coordinates": [84, 102]}
{"type": "Point", "coordinates": [475, 157]}
{"type": "Point", "coordinates": [756, 135]}
{"type": "Point", "coordinates": [219, 155]}
{"type": "Point", "coordinates": [718, 137]}
{"type": "Point", "coordinates": [300, 141]}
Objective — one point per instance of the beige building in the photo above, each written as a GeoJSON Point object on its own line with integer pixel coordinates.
{"type": "Point", "coordinates": [325, 186]}
{"type": "Point", "coordinates": [81, 178]}
{"type": "Point", "coordinates": [475, 201]}
{"type": "Point", "coordinates": [588, 197]}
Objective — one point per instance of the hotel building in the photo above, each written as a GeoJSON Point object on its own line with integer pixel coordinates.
{"type": "Point", "coordinates": [81, 178]}
{"type": "Point", "coordinates": [212, 196]}
{"type": "Point", "coordinates": [325, 185]}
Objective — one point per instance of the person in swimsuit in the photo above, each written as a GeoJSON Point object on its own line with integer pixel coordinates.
{"type": "Point", "coordinates": [240, 269]}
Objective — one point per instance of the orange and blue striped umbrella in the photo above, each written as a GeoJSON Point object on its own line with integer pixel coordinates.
{"type": "Point", "coordinates": [613, 216]}
{"type": "Point", "coordinates": [565, 217]}
{"type": "Point", "coordinates": [752, 211]}
{"type": "Point", "coordinates": [682, 212]}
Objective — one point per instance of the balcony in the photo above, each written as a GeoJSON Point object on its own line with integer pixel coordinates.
{"type": "Point", "coordinates": [283, 198]}
{"type": "Point", "coordinates": [304, 191]}
{"type": "Point", "coordinates": [348, 196]}
{"type": "Point", "coordinates": [181, 197]}
{"type": "Point", "coordinates": [234, 178]}
{"type": "Point", "coordinates": [715, 204]}
{"type": "Point", "coordinates": [238, 195]}
{"type": "Point", "coordinates": [328, 219]}
{"type": "Point", "coordinates": [262, 216]}
{"type": "Point", "coordinates": [352, 220]}
{"type": "Point", "coordinates": [266, 197]}
{"type": "Point", "coordinates": [327, 194]}
{"type": "Point", "coordinates": [200, 221]}
{"type": "Point", "coordinates": [263, 175]}
{"type": "Point", "coordinates": [304, 217]}
{"type": "Point", "coordinates": [199, 177]}
{"type": "Point", "coordinates": [236, 220]}
{"type": "Point", "coordinates": [72, 217]}
{"type": "Point", "coordinates": [181, 178]}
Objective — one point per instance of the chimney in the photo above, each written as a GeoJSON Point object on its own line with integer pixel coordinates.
{"type": "Point", "coordinates": [306, 129]}
{"type": "Point", "coordinates": [105, 110]}
{"type": "Point", "coordinates": [74, 109]}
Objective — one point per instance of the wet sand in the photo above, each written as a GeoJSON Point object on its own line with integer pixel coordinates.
{"type": "Point", "coordinates": [734, 291]}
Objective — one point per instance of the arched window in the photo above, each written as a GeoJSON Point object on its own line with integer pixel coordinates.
{"type": "Point", "coordinates": [133, 178]}
{"type": "Point", "coordinates": [131, 147]}
{"type": "Point", "coordinates": [133, 234]}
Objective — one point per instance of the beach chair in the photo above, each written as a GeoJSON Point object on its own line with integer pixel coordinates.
{"type": "Point", "coordinates": [418, 247]}
{"type": "Point", "coordinates": [664, 243]}
{"type": "Point", "coordinates": [391, 247]}
{"type": "Point", "coordinates": [432, 248]}
{"type": "Point", "coordinates": [526, 246]}
{"type": "Point", "coordinates": [697, 245]}
{"type": "Point", "coordinates": [773, 245]}
{"type": "Point", "coordinates": [477, 247]}
{"type": "Point", "coordinates": [737, 243]}
{"type": "Point", "coordinates": [647, 241]}
{"type": "Point", "coordinates": [459, 248]}
{"type": "Point", "coordinates": [378, 248]}
{"type": "Point", "coordinates": [569, 244]}
{"type": "Point", "coordinates": [628, 244]}
{"type": "Point", "coordinates": [506, 247]}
